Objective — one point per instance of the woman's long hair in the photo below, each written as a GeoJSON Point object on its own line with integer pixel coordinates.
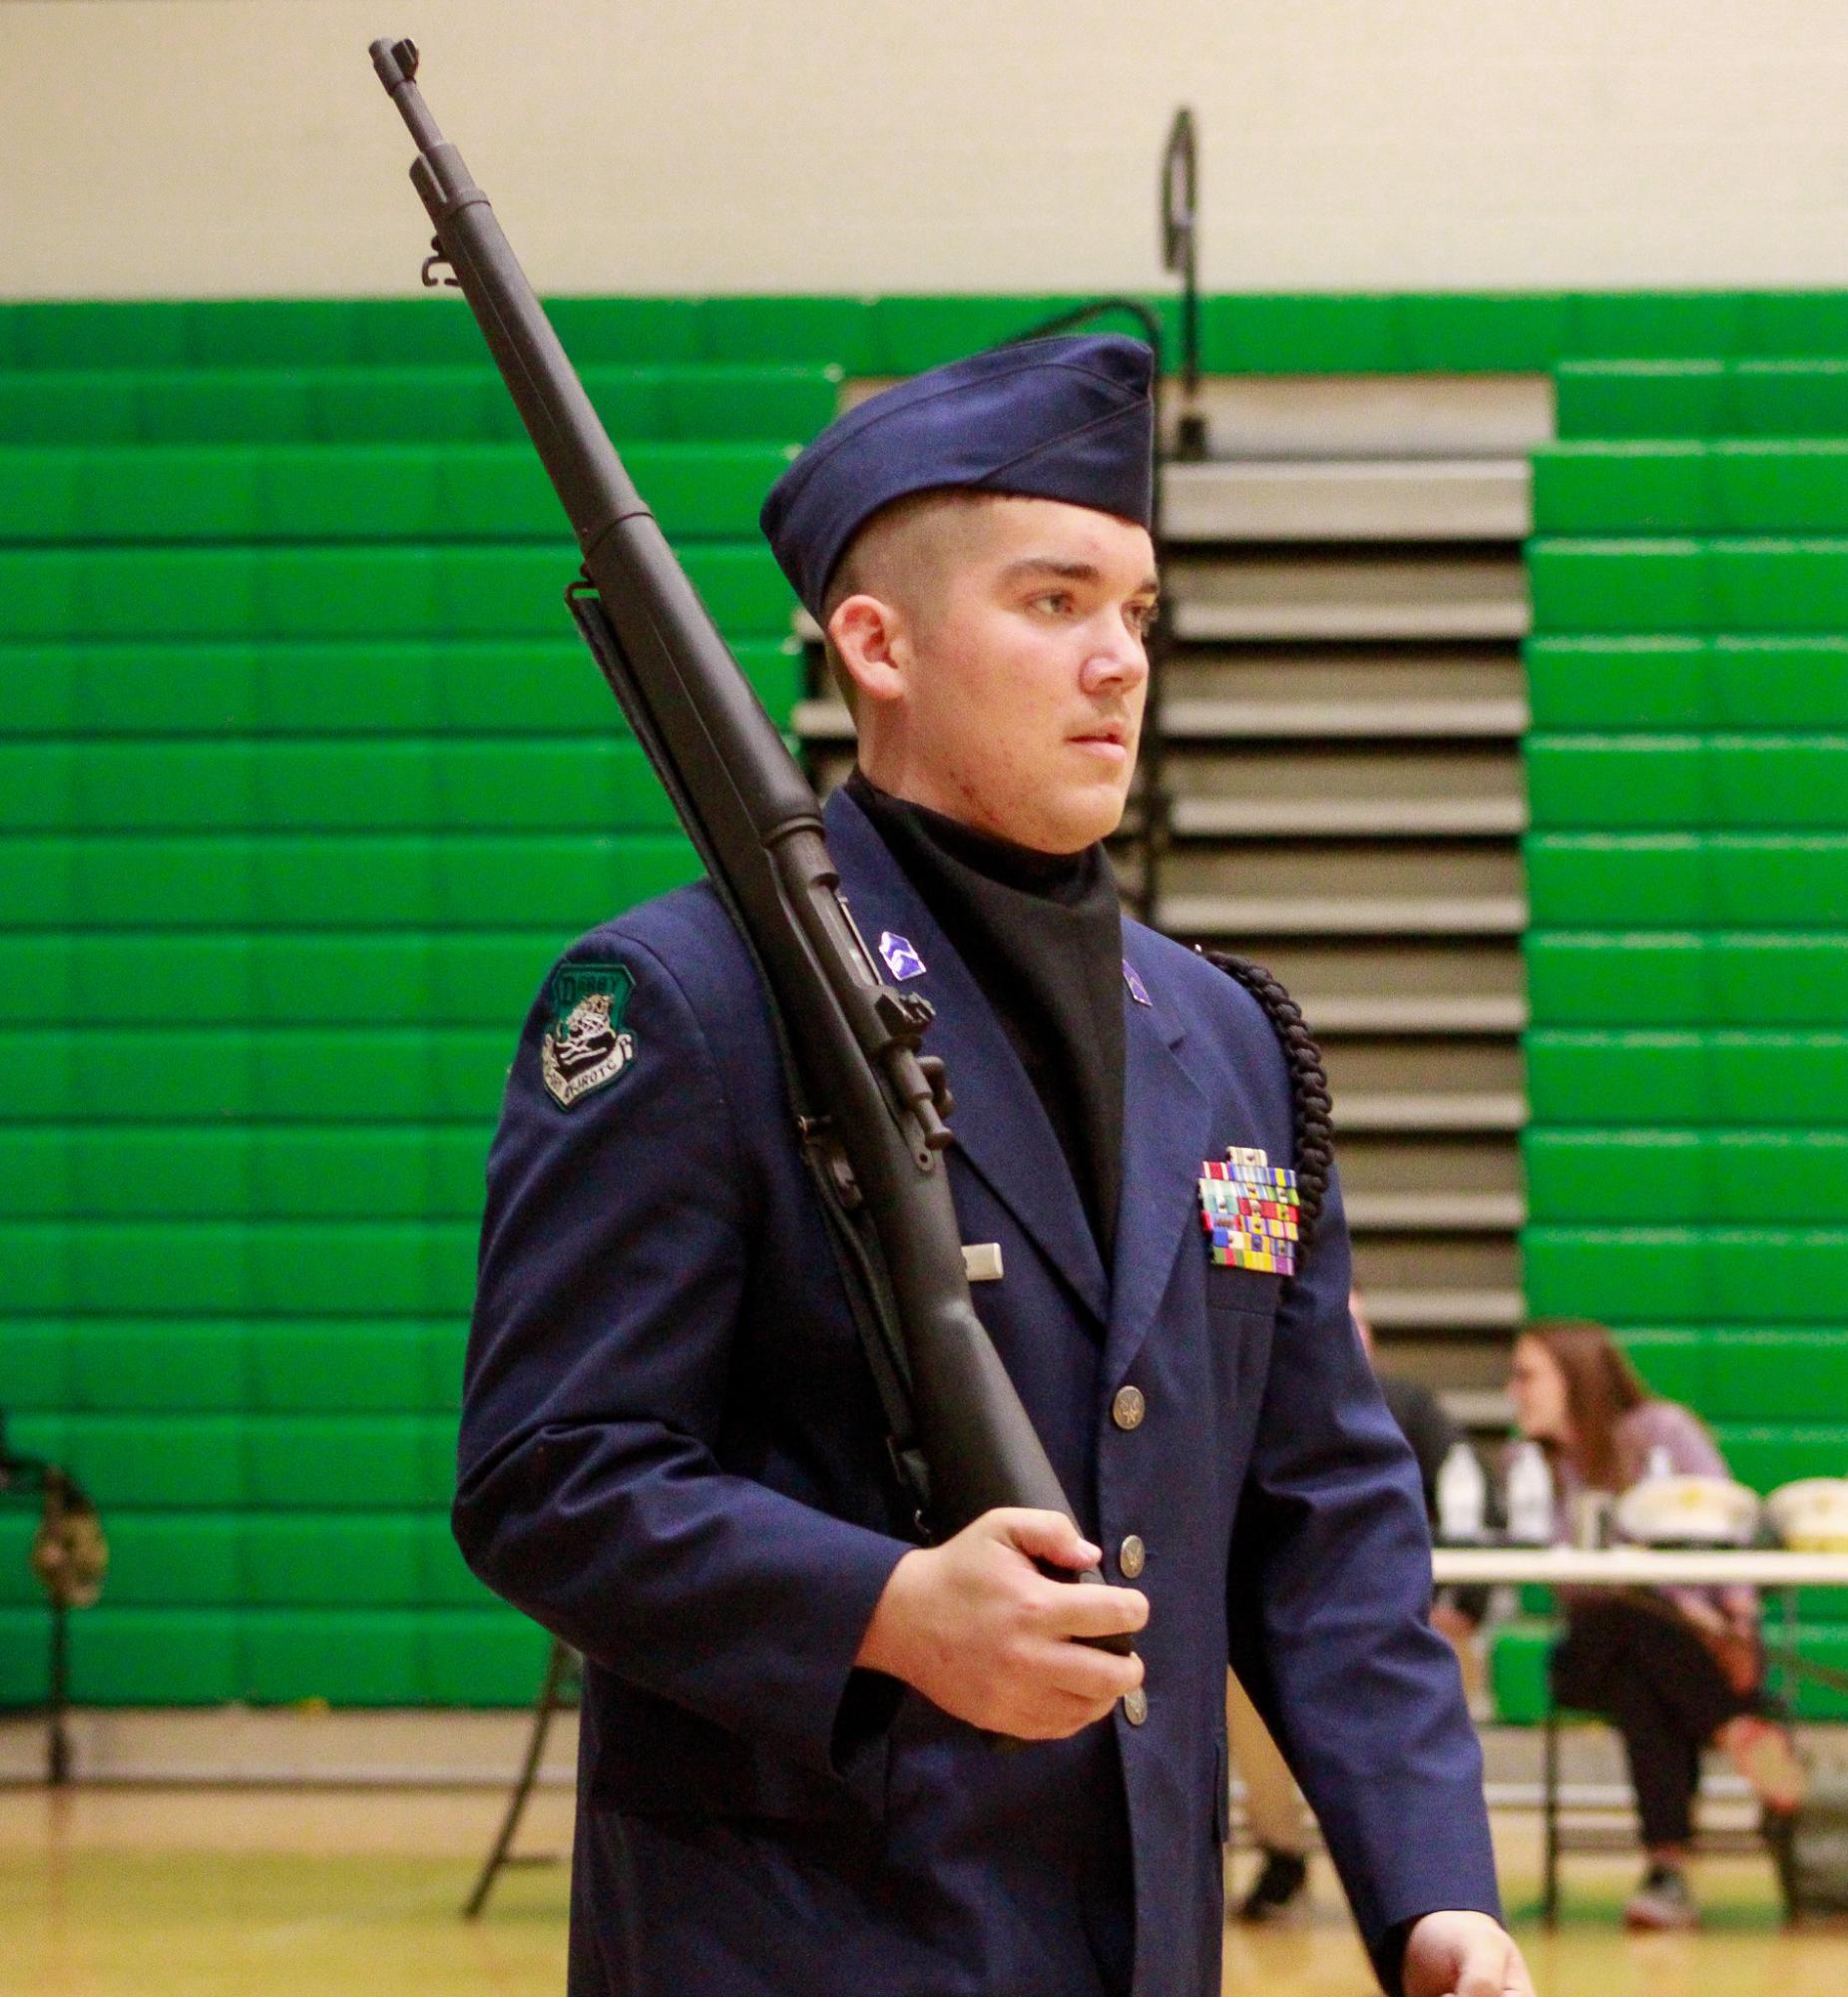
{"type": "Point", "coordinates": [1601, 1386]}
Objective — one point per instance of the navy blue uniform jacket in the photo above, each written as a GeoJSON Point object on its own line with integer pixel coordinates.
{"type": "Point", "coordinates": [672, 1455]}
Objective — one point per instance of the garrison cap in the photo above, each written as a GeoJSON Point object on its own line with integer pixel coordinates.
{"type": "Point", "coordinates": [1070, 419]}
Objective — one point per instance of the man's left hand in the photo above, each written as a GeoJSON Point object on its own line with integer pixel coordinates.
{"type": "Point", "coordinates": [1463, 1955]}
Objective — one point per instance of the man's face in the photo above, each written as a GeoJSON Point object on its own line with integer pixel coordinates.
{"type": "Point", "coordinates": [1012, 692]}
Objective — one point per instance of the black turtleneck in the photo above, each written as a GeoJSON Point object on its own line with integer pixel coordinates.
{"type": "Point", "coordinates": [1041, 935]}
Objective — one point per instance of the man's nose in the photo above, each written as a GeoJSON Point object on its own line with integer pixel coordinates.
{"type": "Point", "coordinates": [1118, 660]}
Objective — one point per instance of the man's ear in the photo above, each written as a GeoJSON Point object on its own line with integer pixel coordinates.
{"type": "Point", "coordinates": [870, 640]}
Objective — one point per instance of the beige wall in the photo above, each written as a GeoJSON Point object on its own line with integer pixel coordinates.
{"type": "Point", "coordinates": [198, 147]}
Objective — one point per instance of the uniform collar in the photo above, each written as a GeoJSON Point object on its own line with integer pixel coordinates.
{"type": "Point", "coordinates": [1003, 1131]}
{"type": "Point", "coordinates": [1000, 1128]}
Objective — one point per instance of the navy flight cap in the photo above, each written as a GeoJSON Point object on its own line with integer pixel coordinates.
{"type": "Point", "coordinates": [1070, 418]}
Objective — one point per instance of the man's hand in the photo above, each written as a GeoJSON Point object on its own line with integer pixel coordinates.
{"type": "Point", "coordinates": [1463, 1955]}
{"type": "Point", "coordinates": [977, 1628]}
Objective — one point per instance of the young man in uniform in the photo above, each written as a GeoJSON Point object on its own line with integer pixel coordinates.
{"type": "Point", "coordinates": [673, 1449]}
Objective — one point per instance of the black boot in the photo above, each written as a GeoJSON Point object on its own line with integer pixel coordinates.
{"type": "Point", "coordinates": [1279, 1885]}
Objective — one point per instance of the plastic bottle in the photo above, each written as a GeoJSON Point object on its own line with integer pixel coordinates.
{"type": "Point", "coordinates": [1530, 1496]}
{"type": "Point", "coordinates": [1462, 1496]}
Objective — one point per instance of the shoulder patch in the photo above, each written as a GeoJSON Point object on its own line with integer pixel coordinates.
{"type": "Point", "coordinates": [585, 1044]}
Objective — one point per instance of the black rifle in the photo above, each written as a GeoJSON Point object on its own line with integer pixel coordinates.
{"type": "Point", "coordinates": [870, 1106]}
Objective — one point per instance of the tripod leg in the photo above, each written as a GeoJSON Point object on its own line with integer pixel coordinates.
{"type": "Point", "coordinates": [58, 1740]}
{"type": "Point", "coordinates": [544, 1707]}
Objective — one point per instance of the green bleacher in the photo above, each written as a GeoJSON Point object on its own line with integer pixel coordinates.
{"type": "Point", "coordinates": [303, 779]}
{"type": "Point", "coordinates": [1688, 868]}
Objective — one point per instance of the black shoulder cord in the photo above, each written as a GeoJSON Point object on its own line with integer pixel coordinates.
{"type": "Point", "coordinates": [1310, 1103]}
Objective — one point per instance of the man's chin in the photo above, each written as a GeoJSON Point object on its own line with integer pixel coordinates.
{"type": "Point", "coordinates": [1081, 817]}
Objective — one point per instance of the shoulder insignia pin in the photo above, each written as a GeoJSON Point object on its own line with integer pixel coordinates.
{"type": "Point", "coordinates": [585, 1045]}
{"type": "Point", "coordinates": [901, 958]}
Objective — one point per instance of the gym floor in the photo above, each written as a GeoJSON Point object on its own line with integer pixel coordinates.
{"type": "Point", "coordinates": [140, 1892]}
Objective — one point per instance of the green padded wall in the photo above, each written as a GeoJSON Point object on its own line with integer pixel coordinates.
{"type": "Point", "coordinates": [303, 779]}
{"type": "Point", "coordinates": [1688, 871]}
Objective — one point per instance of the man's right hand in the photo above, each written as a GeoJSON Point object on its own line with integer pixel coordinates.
{"type": "Point", "coordinates": [979, 1630]}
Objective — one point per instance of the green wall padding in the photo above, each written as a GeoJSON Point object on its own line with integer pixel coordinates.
{"type": "Point", "coordinates": [1240, 332]}
{"type": "Point", "coordinates": [1687, 960]}
{"type": "Point", "coordinates": [305, 779]}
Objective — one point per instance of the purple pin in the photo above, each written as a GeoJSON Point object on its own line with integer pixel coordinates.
{"type": "Point", "coordinates": [901, 958]}
{"type": "Point", "coordinates": [1137, 990]}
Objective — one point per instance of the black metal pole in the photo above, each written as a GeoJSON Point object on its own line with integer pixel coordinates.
{"type": "Point", "coordinates": [1181, 258]}
{"type": "Point", "coordinates": [551, 1690]}
{"type": "Point", "coordinates": [58, 1739]}
{"type": "Point", "coordinates": [1152, 838]}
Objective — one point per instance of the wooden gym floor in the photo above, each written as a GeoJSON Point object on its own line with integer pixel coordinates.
{"type": "Point", "coordinates": [316, 1893]}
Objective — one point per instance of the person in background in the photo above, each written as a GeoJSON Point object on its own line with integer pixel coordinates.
{"type": "Point", "coordinates": [1456, 1613]}
{"type": "Point", "coordinates": [1671, 1670]}
{"type": "Point", "coordinates": [1275, 1813]}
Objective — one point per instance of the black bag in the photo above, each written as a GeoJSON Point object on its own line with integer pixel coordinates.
{"type": "Point", "coordinates": [1812, 1846]}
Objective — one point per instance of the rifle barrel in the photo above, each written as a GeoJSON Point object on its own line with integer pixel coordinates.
{"type": "Point", "coordinates": [756, 822]}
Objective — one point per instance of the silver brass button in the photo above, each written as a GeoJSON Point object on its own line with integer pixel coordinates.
{"type": "Point", "coordinates": [1127, 1409]}
{"type": "Point", "coordinates": [1135, 1706]}
{"type": "Point", "coordinates": [1129, 1557]}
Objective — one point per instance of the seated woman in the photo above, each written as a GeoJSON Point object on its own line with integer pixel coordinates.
{"type": "Point", "coordinates": [1671, 1670]}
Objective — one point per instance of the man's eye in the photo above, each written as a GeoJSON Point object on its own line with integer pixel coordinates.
{"type": "Point", "coordinates": [1054, 602]}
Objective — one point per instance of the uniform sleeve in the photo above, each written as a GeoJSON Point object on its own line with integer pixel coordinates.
{"type": "Point", "coordinates": [1329, 1594]}
{"type": "Point", "coordinates": [613, 1258]}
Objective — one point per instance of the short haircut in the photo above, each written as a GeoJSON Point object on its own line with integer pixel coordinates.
{"type": "Point", "coordinates": [899, 553]}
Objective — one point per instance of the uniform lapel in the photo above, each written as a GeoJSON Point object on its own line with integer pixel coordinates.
{"type": "Point", "coordinates": [1000, 1128]}
{"type": "Point", "coordinates": [1166, 1124]}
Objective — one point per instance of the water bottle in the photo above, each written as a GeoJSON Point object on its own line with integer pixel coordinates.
{"type": "Point", "coordinates": [1530, 1496]}
{"type": "Point", "coordinates": [1462, 1497]}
